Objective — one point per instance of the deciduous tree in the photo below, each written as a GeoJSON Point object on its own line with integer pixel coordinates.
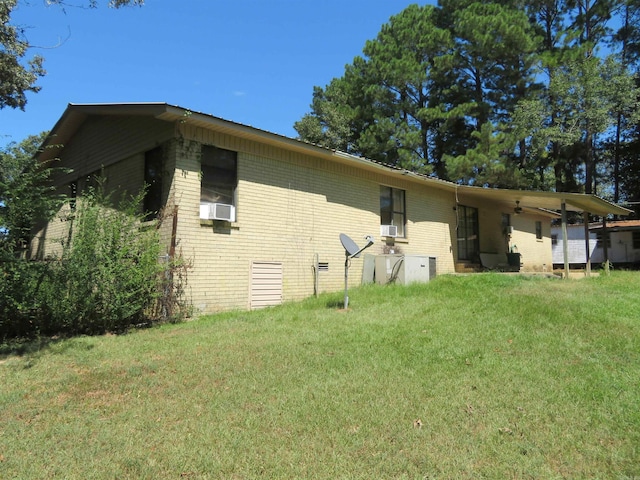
{"type": "Point", "coordinates": [26, 195]}
{"type": "Point", "coordinates": [18, 73]}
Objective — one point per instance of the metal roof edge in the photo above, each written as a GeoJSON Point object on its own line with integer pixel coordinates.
{"type": "Point", "coordinates": [582, 202]}
{"type": "Point", "coordinates": [75, 114]}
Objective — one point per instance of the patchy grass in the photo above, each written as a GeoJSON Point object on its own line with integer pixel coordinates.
{"type": "Point", "coordinates": [486, 376]}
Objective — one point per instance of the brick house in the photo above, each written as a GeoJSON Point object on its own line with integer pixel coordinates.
{"type": "Point", "coordinates": [251, 208]}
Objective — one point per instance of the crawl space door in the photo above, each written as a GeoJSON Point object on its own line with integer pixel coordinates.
{"type": "Point", "coordinates": [266, 284]}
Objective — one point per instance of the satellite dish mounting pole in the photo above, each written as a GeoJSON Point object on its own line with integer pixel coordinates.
{"type": "Point", "coordinates": [346, 280]}
{"type": "Point", "coordinates": [351, 250]}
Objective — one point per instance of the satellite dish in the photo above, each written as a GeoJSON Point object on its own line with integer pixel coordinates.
{"type": "Point", "coordinates": [351, 248]}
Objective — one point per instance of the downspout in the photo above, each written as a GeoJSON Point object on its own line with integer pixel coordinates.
{"type": "Point", "coordinates": [170, 293]}
{"type": "Point", "coordinates": [585, 217]}
{"type": "Point", "coordinates": [565, 241]}
{"type": "Point", "coordinates": [174, 231]}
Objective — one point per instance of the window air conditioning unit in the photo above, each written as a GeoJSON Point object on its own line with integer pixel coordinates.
{"type": "Point", "coordinates": [218, 211]}
{"type": "Point", "coordinates": [388, 230]}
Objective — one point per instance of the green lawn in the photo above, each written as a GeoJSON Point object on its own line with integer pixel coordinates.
{"type": "Point", "coordinates": [511, 377]}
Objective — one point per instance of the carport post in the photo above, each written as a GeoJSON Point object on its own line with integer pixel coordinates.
{"type": "Point", "coordinates": [605, 245]}
{"type": "Point", "coordinates": [565, 241]}
{"type": "Point", "coordinates": [585, 217]}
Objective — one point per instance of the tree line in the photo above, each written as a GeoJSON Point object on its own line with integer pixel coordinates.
{"type": "Point", "coordinates": [530, 94]}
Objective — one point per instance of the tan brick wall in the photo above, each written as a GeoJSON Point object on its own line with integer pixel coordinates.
{"type": "Point", "coordinates": [289, 209]}
{"type": "Point", "coordinates": [114, 145]}
{"type": "Point", "coordinates": [535, 253]}
{"type": "Point", "coordinates": [48, 240]}
{"type": "Point", "coordinates": [122, 178]}
{"type": "Point", "coordinates": [292, 207]}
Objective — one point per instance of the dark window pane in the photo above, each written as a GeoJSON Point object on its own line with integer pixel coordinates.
{"type": "Point", "coordinates": [153, 182]}
{"type": "Point", "coordinates": [392, 208]}
{"type": "Point", "coordinates": [219, 175]}
{"type": "Point", "coordinates": [468, 238]}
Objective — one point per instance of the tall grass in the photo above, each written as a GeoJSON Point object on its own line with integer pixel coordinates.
{"type": "Point", "coordinates": [486, 376]}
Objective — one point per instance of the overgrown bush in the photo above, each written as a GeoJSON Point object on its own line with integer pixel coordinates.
{"type": "Point", "coordinates": [21, 309]}
{"type": "Point", "coordinates": [108, 272]}
{"type": "Point", "coordinates": [109, 276]}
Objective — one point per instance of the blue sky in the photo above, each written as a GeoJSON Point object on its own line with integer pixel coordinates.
{"type": "Point", "coordinates": [250, 61]}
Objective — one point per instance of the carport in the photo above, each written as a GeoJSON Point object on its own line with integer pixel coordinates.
{"type": "Point", "coordinates": [563, 202]}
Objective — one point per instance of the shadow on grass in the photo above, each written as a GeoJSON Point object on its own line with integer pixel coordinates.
{"type": "Point", "coordinates": [32, 346]}
{"type": "Point", "coordinates": [20, 347]}
{"type": "Point", "coordinates": [35, 346]}
{"type": "Point", "coordinates": [339, 304]}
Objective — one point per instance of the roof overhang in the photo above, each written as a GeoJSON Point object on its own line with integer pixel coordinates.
{"type": "Point", "coordinates": [543, 203]}
{"type": "Point", "coordinates": [577, 202]}
{"type": "Point", "coordinates": [75, 115]}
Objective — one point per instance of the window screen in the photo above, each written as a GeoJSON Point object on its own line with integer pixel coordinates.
{"type": "Point", "coordinates": [219, 175]}
{"type": "Point", "coordinates": [392, 208]}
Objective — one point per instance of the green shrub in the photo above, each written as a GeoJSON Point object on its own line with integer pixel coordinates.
{"type": "Point", "coordinates": [21, 300]}
{"type": "Point", "coordinates": [109, 277]}
{"type": "Point", "coordinates": [108, 274]}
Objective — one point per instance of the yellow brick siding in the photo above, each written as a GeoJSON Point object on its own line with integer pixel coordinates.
{"type": "Point", "coordinates": [113, 145]}
{"type": "Point", "coordinates": [535, 253]}
{"type": "Point", "coordinates": [290, 209]}
{"type": "Point", "coordinates": [47, 240]}
{"type": "Point", "coordinates": [121, 178]}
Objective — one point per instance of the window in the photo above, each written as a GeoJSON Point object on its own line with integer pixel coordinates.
{"type": "Point", "coordinates": [539, 230]}
{"type": "Point", "coordinates": [153, 182]}
{"type": "Point", "coordinates": [219, 175]}
{"type": "Point", "coordinates": [600, 237]}
{"type": "Point", "coordinates": [636, 240]}
{"type": "Point", "coordinates": [392, 208]}
{"type": "Point", "coordinates": [468, 238]}
{"type": "Point", "coordinates": [507, 229]}
{"type": "Point", "coordinates": [554, 239]}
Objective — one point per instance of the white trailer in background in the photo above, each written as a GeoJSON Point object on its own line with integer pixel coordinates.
{"type": "Point", "coordinates": [622, 237]}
